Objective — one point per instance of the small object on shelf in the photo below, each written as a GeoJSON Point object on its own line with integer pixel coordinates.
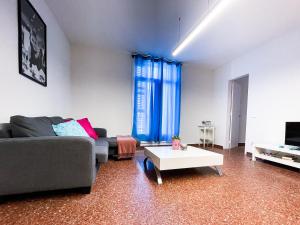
{"type": "Point", "coordinates": [287, 158]}
{"type": "Point", "coordinates": [183, 146]}
{"type": "Point", "coordinates": [206, 123]}
{"type": "Point", "coordinates": [176, 143]}
{"type": "Point", "coordinates": [294, 148]}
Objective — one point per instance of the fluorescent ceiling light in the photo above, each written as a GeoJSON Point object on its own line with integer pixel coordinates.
{"type": "Point", "coordinates": [219, 7]}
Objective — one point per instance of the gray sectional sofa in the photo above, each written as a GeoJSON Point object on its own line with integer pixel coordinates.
{"type": "Point", "coordinates": [33, 159]}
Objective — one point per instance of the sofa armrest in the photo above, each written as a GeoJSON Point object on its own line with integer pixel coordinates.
{"type": "Point", "coordinates": [101, 132]}
{"type": "Point", "coordinates": [46, 163]}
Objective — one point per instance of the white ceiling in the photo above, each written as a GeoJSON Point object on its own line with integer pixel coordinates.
{"type": "Point", "coordinates": [151, 26]}
{"type": "Point", "coordinates": [119, 24]}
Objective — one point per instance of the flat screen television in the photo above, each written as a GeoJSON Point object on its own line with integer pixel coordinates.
{"type": "Point", "coordinates": [292, 133]}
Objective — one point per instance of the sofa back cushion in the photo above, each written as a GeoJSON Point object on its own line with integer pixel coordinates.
{"type": "Point", "coordinates": [5, 130]}
{"type": "Point", "coordinates": [22, 126]}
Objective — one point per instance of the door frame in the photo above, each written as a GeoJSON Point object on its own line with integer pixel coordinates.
{"type": "Point", "coordinates": [229, 109]}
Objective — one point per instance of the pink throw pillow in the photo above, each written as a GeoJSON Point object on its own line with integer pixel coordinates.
{"type": "Point", "coordinates": [85, 123]}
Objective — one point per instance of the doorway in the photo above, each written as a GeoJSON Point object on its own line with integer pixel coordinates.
{"type": "Point", "coordinates": [237, 113]}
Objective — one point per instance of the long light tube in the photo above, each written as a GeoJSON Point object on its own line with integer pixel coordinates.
{"type": "Point", "coordinates": [219, 7]}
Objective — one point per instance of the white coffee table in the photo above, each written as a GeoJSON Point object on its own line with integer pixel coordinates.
{"type": "Point", "coordinates": [164, 158]}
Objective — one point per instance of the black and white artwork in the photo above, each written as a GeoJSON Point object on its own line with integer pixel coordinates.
{"type": "Point", "coordinates": [32, 43]}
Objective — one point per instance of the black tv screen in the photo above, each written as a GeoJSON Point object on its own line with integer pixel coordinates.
{"type": "Point", "coordinates": [292, 133]}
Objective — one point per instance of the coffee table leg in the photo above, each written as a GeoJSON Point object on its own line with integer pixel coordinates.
{"type": "Point", "coordinates": [219, 170]}
{"type": "Point", "coordinates": [159, 180]}
{"type": "Point", "coordinates": [145, 163]}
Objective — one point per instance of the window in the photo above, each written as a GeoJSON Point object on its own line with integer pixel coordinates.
{"type": "Point", "coordinates": [156, 99]}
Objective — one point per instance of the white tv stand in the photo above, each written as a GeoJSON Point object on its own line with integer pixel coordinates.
{"type": "Point", "coordinates": [275, 153]}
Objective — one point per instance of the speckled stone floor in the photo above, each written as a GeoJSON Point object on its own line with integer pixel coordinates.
{"type": "Point", "coordinates": [248, 193]}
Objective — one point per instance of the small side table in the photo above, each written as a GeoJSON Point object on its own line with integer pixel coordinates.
{"type": "Point", "coordinates": [204, 135]}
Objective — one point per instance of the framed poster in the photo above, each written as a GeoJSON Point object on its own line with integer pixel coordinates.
{"type": "Point", "coordinates": [32, 43]}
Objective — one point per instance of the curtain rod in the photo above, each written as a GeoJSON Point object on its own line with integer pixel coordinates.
{"type": "Point", "coordinates": [155, 58]}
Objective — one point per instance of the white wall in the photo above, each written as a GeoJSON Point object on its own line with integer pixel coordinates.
{"type": "Point", "coordinates": [102, 88]}
{"type": "Point", "coordinates": [196, 98]}
{"type": "Point", "coordinates": [102, 91]}
{"type": "Point", "coordinates": [273, 95]}
{"type": "Point", "coordinates": [20, 95]}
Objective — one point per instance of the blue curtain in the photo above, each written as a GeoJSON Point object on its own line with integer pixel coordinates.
{"type": "Point", "coordinates": [156, 108]}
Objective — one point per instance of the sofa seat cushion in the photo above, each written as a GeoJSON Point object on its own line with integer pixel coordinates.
{"type": "Point", "coordinates": [101, 142]}
{"type": "Point", "coordinates": [22, 126]}
{"type": "Point", "coordinates": [101, 150]}
{"type": "Point", "coordinates": [112, 141]}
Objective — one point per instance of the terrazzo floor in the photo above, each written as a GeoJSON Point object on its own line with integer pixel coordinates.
{"type": "Point", "coordinates": [248, 193]}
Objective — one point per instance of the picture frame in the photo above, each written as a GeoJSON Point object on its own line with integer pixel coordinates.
{"type": "Point", "coordinates": [32, 43]}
